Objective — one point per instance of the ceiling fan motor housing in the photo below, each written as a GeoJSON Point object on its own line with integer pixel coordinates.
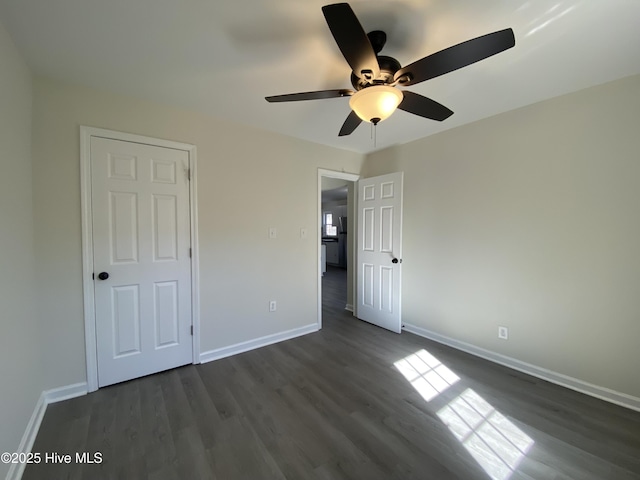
{"type": "Point", "coordinates": [388, 67]}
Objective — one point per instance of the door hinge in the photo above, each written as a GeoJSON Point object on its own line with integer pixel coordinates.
{"type": "Point", "coordinates": [191, 330]}
{"type": "Point", "coordinates": [188, 173]}
{"type": "Point", "coordinates": [189, 252]}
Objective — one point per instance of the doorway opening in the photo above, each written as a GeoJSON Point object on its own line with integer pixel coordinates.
{"type": "Point", "coordinates": [337, 233]}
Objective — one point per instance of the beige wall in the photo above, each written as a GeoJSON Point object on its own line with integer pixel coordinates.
{"type": "Point", "coordinates": [20, 366]}
{"type": "Point", "coordinates": [531, 219]}
{"type": "Point", "coordinates": [248, 181]}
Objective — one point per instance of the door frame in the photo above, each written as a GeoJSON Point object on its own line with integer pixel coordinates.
{"type": "Point", "coordinates": [87, 240]}
{"type": "Point", "coordinates": [352, 177]}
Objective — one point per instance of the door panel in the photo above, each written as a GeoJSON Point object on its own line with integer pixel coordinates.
{"type": "Point", "coordinates": [125, 320]}
{"type": "Point", "coordinates": [386, 289]}
{"type": "Point", "coordinates": [379, 242]}
{"type": "Point", "coordinates": [386, 229]}
{"type": "Point", "coordinates": [166, 313]}
{"type": "Point", "coordinates": [368, 229]}
{"type": "Point", "coordinates": [141, 236]}
{"type": "Point", "coordinates": [165, 231]}
{"type": "Point", "coordinates": [368, 286]}
{"type": "Point", "coordinates": [123, 226]}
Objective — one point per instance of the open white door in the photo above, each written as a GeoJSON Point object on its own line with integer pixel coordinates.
{"type": "Point", "coordinates": [380, 250]}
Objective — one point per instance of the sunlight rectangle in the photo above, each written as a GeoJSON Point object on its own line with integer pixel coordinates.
{"type": "Point", "coordinates": [494, 442]}
{"type": "Point", "coordinates": [426, 373]}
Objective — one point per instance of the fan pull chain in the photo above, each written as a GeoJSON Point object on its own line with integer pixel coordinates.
{"type": "Point", "coordinates": [375, 135]}
{"type": "Point", "coordinates": [374, 131]}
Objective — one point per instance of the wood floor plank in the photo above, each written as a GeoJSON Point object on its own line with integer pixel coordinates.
{"type": "Point", "coordinates": [216, 377]}
{"type": "Point", "coordinates": [160, 449]}
{"type": "Point", "coordinates": [204, 413]}
{"type": "Point", "coordinates": [334, 405]}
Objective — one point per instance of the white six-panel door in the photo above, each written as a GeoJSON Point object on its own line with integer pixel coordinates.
{"type": "Point", "coordinates": [380, 250]}
{"type": "Point", "coordinates": [141, 240]}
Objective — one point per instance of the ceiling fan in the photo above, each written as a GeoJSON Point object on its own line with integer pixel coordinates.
{"type": "Point", "coordinates": [375, 77]}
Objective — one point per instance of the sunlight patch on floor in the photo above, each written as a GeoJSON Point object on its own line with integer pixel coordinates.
{"type": "Point", "coordinates": [492, 440]}
{"type": "Point", "coordinates": [495, 442]}
{"type": "Point", "coordinates": [426, 373]}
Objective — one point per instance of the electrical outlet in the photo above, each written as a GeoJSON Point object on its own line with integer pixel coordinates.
{"type": "Point", "coordinates": [503, 333]}
{"type": "Point", "coordinates": [272, 306]}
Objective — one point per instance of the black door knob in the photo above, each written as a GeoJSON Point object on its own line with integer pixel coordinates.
{"type": "Point", "coordinates": [395, 260]}
{"type": "Point", "coordinates": [103, 275]}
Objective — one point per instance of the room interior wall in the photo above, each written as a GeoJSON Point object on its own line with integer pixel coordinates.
{"type": "Point", "coordinates": [20, 364]}
{"type": "Point", "coordinates": [248, 180]}
{"type": "Point", "coordinates": [529, 220]}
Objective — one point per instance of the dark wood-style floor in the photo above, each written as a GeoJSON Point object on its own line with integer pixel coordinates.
{"type": "Point", "coordinates": [350, 402]}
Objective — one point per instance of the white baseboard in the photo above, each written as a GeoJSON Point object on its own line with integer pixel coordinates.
{"type": "Point", "coordinates": [223, 352]}
{"type": "Point", "coordinates": [17, 469]}
{"type": "Point", "coordinates": [349, 307]}
{"type": "Point", "coordinates": [581, 386]}
{"type": "Point", "coordinates": [31, 432]}
{"type": "Point", "coordinates": [65, 393]}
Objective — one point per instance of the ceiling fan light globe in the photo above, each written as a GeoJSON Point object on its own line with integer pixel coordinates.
{"type": "Point", "coordinates": [377, 102]}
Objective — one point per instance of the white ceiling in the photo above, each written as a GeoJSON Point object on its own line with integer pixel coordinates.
{"type": "Point", "coordinates": [222, 57]}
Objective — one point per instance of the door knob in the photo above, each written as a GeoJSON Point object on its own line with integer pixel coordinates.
{"type": "Point", "coordinates": [103, 275]}
{"type": "Point", "coordinates": [395, 260]}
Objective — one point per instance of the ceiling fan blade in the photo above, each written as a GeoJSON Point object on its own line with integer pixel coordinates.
{"type": "Point", "coordinates": [424, 107]}
{"type": "Point", "coordinates": [352, 40]}
{"type": "Point", "coordinates": [456, 57]}
{"type": "Point", "coordinates": [350, 124]}
{"type": "Point", "coordinates": [320, 94]}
